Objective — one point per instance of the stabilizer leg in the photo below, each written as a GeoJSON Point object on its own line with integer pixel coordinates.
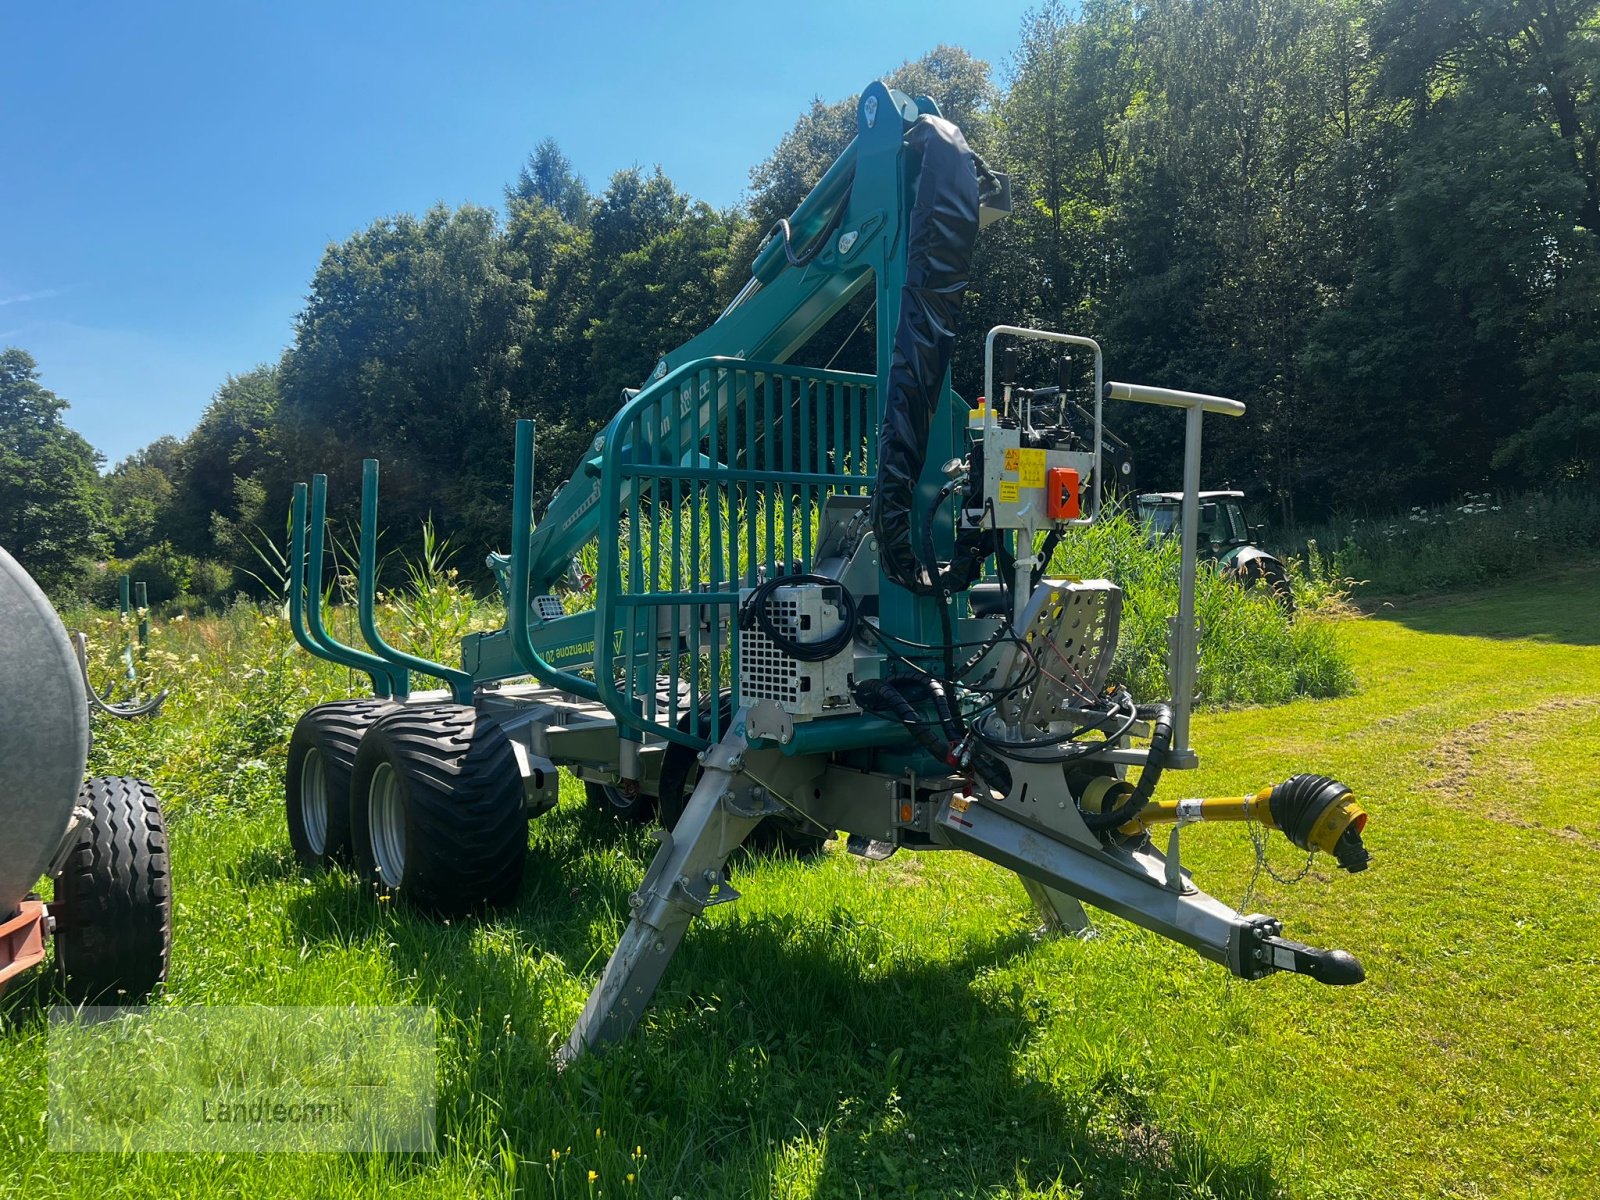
{"type": "Point", "coordinates": [684, 879]}
{"type": "Point", "coordinates": [1059, 913]}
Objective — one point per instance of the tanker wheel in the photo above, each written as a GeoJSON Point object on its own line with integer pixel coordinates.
{"type": "Point", "coordinates": [316, 783]}
{"type": "Point", "coordinates": [436, 812]}
{"type": "Point", "coordinates": [611, 801]}
{"type": "Point", "coordinates": [113, 896]}
{"type": "Point", "coordinates": [782, 833]}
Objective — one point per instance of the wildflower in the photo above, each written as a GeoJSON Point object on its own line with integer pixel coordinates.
{"type": "Point", "coordinates": [630, 1176]}
{"type": "Point", "coordinates": [593, 1175]}
{"type": "Point", "coordinates": [555, 1154]}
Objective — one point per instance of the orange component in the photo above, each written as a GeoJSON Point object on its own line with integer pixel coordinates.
{"type": "Point", "coordinates": [906, 814]}
{"type": "Point", "coordinates": [22, 941]}
{"type": "Point", "coordinates": [1061, 494]}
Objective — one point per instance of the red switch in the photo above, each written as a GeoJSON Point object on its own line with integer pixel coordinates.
{"type": "Point", "coordinates": [1061, 494]}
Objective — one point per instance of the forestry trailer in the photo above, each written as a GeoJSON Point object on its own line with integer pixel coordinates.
{"type": "Point", "coordinates": [819, 607]}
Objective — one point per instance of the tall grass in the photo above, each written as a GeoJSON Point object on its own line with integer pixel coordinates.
{"type": "Point", "coordinates": [243, 671]}
{"type": "Point", "coordinates": [1475, 539]}
{"type": "Point", "coordinates": [434, 607]}
{"type": "Point", "coordinates": [1251, 650]}
{"type": "Point", "coordinates": [237, 680]}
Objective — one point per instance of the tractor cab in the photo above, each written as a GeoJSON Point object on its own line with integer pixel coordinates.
{"type": "Point", "coordinates": [1222, 536]}
{"type": "Point", "coordinates": [1222, 524]}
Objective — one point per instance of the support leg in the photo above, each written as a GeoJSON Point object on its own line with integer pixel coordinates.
{"type": "Point", "coordinates": [1059, 912]}
{"type": "Point", "coordinates": [684, 879]}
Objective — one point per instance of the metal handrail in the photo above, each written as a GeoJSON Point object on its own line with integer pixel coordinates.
{"type": "Point", "coordinates": [1142, 393]}
{"type": "Point", "coordinates": [1184, 650]}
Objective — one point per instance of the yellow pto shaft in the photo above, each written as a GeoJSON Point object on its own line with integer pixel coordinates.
{"type": "Point", "coordinates": [1313, 811]}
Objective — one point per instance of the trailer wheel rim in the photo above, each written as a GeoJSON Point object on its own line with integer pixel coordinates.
{"type": "Point", "coordinates": [314, 801]}
{"type": "Point", "coordinates": [387, 818]}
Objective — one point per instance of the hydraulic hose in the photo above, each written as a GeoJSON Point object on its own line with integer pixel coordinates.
{"type": "Point", "coordinates": [1160, 718]}
{"type": "Point", "coordinates": [939, 244]}
{"type": "Point", "coordinates": [885, 695]}
{"type": "Point", "coordinates": [890, 696]}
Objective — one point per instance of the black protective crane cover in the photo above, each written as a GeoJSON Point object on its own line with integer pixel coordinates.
{"type": "Point", "coordinates": [944, 228]}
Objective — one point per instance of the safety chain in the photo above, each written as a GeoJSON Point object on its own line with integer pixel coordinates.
{"type": "Point", "coordinates": [1258, 839]}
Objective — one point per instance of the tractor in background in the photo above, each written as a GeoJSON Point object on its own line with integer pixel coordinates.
{"type": "Point", "coordinates": [1223, 537]}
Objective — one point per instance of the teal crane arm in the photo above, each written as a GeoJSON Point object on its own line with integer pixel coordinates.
{"type": "Point", "coordinates": [848, 231]}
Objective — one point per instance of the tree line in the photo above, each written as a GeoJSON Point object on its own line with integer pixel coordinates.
{"type": "Point", "coordinates": [1375, 221]}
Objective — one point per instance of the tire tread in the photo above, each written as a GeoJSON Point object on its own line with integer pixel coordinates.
{"type": "Point", "coordinates": [464, 797]}
{"type": "Point", "coordinates": [336, 729]}
{"type": "Point", "coordinates": [114, 895]}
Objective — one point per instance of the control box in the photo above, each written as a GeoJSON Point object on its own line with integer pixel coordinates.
{"type": "Point", "coordinates": [1028, 488]}
{"type": "Point", "coordinates": [802, 612]}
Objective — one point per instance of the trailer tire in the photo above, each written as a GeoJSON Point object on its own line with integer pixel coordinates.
{"type": "Point", "coordinates": [436, 814]}
{"type": "Point", "coordinates": [316, 783]}
{"type": "Point", "coordinates": [113, 896]}
{"type": "Point", "coordinates": [610, 801]}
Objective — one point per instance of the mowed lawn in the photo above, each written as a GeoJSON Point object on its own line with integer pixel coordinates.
{"type": "Point", "coordinates": [895, 1029]}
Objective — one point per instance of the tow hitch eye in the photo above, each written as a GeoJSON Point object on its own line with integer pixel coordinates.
{"type": "Point", "coordinates": [1267, 952]}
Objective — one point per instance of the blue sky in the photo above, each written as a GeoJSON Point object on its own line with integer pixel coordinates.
{"type": "Point", "coordinates": [171, 173]}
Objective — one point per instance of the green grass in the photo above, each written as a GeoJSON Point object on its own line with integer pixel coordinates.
{"type": "Point", "coordinates": [1251, 650]}
{"type": "Point", "coordinates": [894, 1029]}
{"type": "Point", "coordinates": [1474, 539]}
